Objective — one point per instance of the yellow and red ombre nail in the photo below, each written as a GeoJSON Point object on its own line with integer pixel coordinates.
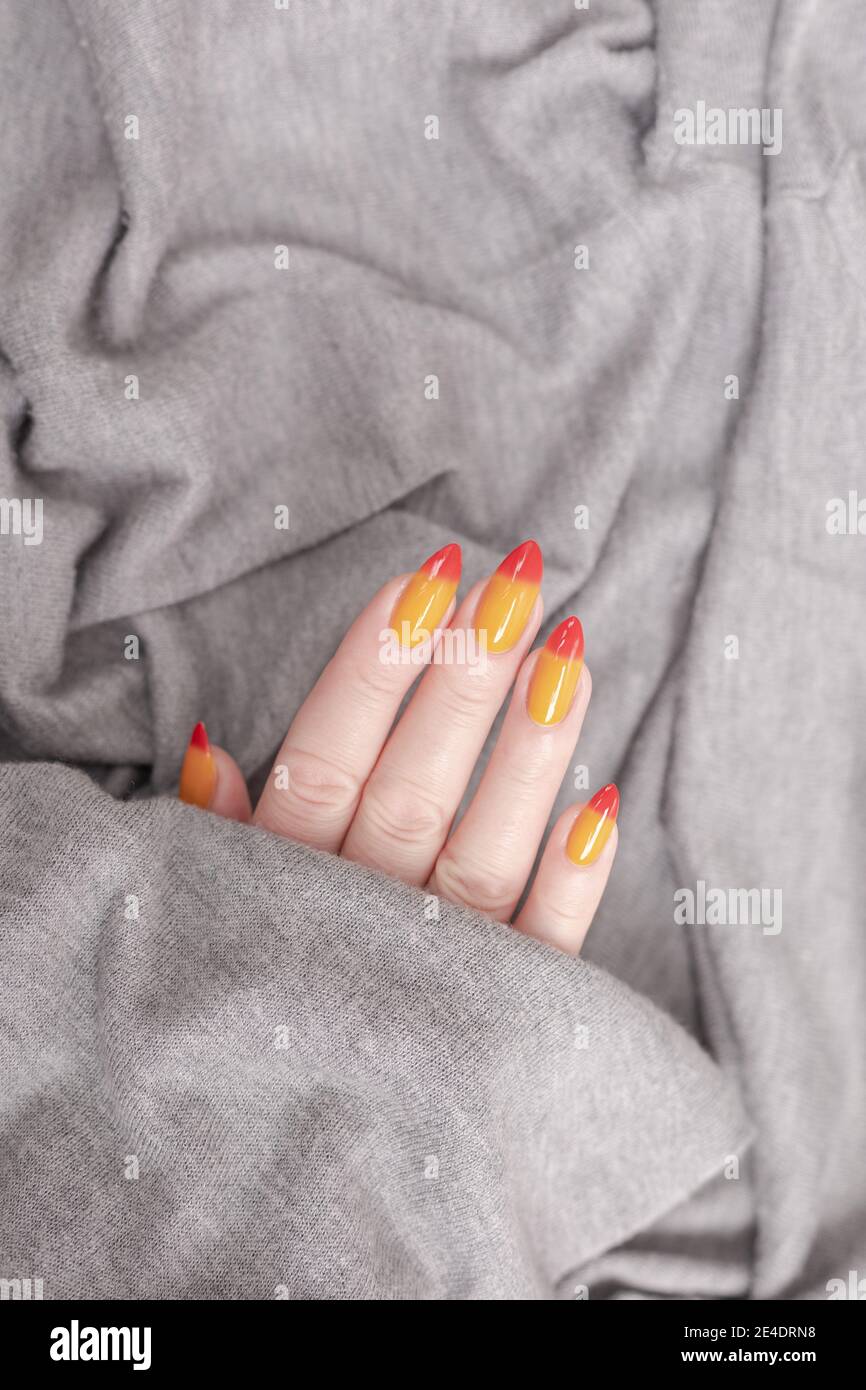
{"type": "Point", "coordinates": [198, 774]}
{"type": "Point", "coordinates": [557, 671]}
{"type": "Point", "coordinates": [508, 600]}
{"type": "Point", "coordinates": [424, 602]}
{"type": "Point", "coordinates": [592, 829]}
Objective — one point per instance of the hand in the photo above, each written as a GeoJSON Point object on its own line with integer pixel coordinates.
{"type": "Point", "coordinates": [345, 781]}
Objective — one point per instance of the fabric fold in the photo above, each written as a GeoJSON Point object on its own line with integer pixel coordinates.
{"type": "Point", "coordinates": [233, 1064]}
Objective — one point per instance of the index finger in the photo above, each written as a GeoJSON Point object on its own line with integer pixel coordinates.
{"type": "Point", "coordinates": [337, 734]}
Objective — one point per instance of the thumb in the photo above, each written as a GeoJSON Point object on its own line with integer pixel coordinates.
{"type": "Point", "coordinates": [210, 778]}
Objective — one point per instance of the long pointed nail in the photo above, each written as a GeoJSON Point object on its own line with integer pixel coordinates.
{"type": "Point", "coordinates": [556, 673]}
{"type": "Point", "coordinates": [592, 828]}
{"type": "Point", "coordinates": [508, 599]}
{"type": "Point", "coordinates": [424, 602]}
{"type": "Point", "coordinates": [198, 774]}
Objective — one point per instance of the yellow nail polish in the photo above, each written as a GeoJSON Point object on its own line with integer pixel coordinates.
{"type": "Point", "coordinates": [424, 602]}
{"type": "Point", "coordinates": [556, 673]}
{"type": "Point", "coordinates": [508, 600]}
{"type": "Point", "coordinates": [592, 828]}
{"type": "Point", "coordinates": [198, 774]}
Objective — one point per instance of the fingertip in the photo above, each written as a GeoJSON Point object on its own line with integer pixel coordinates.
{"type": "Point", "coordinates": [593, 827]}
{"type": "Point", "coordinates": [230, 796]}
{"type": "Point", "coordinates": [584, 684]}
{"type": "Point", "coordinates": [211, 779]}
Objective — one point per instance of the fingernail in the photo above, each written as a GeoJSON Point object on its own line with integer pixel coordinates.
{"type": "Point", "coordinates": [556, 674]}
{"type": "Point", "coordinates": [423, 603]}
{"type": "Point", "coordinates": [198, 774]}
{"type": "Point", "coordinates": [507, 601]}
{"type": "Point", "coordinates": [591, 831]}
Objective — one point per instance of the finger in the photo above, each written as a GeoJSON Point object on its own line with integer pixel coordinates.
{"type": "Point", "coordinates": [210, 778]}
{"type": "Point", "coordinates": [489, 858]}
{"type": "Point", "coordinates": [338, 733]}
{"type": "Point", "coordinates": [415, 789]}
{"type": "Point", "coordinates": [573, 872]}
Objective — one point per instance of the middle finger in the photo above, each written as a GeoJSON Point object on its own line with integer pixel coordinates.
{"type": "Point", "coordinates": [417, 784]}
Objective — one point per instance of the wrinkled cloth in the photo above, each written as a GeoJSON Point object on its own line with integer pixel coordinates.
{"type": "Point", "coordinates": [236, 1068]}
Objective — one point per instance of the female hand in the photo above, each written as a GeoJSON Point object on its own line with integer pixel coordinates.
{"type": "Point", "coordinates": [348, 782]}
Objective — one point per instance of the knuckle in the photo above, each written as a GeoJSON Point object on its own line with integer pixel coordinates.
{"type": "Point", "coordinates": [371, 681]}
{"type": "Point", "coordinates": [557, 922]}
{"type": "Point", "coordinates": [312, 789]}
{"type": "Point", "coordinates": [558, 916]}
{"type": "Point", "coordinates": [526, 775]}
{"type": "Point", "coordinates": [487, 887]}
{"type": "Point", "coordinates": [392, 808]}
{"type": "Point", "coordinates": [466, 695]}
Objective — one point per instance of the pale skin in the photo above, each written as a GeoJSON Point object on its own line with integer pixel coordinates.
{"type": "Point", "coordinates": [349, 781]}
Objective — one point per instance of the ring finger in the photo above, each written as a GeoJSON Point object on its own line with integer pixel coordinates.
{"type": "Point", "coordinates": [487, 861]}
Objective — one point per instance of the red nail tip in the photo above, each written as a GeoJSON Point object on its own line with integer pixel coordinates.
{"type": "Point", "coordinates": [524, 562]}
{"type": "Point", "coordinates": [606, 801]}
{"type": "Point", "coordinates": [445, 564]}
{"type": "Point", "coordinates": [566, 641]}
{"type": "Point", "coordinates": [199, 738]}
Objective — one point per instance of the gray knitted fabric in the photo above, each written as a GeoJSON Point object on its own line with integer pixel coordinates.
{"type": "Point", "coordinates": [235, 1068]}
